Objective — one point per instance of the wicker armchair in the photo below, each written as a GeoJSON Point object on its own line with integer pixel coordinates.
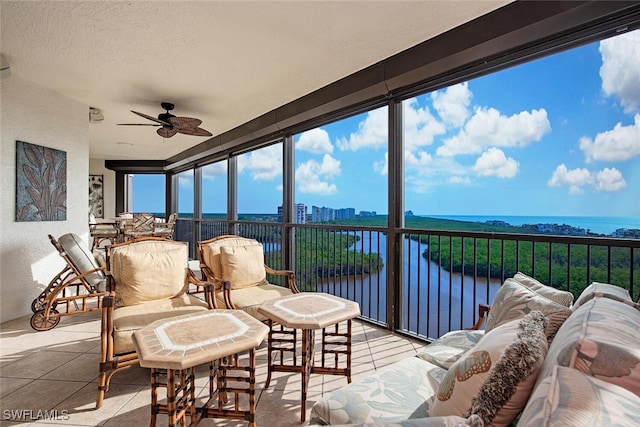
{"type": "Point", "coordinates": [142, 225]}
{"type": "Point", "coordinates": [149, 279]}
{"type": "Point", "coordinates": [165, 229]}
{"type": "Point", "coordinates": [235, 265]}
{"type": "Point", "coordinates": [102, 232]}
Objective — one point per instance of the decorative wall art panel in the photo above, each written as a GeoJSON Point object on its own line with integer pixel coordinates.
{"type": "Point", "coordinates": [41, 183]}
{"type": "Point", "coordinates": [96, 195]}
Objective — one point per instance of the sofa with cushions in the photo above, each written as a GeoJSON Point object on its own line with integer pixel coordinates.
{"type": "Point", "coordinates": [541, 360]}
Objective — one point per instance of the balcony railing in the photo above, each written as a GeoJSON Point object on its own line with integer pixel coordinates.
{"type": "Point", "coordinates": [436, 279]}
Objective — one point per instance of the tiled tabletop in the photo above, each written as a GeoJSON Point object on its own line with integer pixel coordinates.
{"type": "Point", "coordinates": [189, 340]}
{"type": "Point", "coordinates": [309, 310]}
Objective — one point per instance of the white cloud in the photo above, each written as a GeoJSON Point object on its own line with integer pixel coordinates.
{"type": "Point", "coordinates": [618, 144]}
{"type": "Point", "coordinates": [452, 104]}
{"type": "Point", "coordinates": [418, 159]}
{"type": "Point", "coordinates": [489, 128]}
{"type": "Point", "coordinates": [610, 180]}
{"type": "Point", "coordinates": [315, 141]}
{"type": "Point", "coordinates": [457, 179]}
{"type": "Point", "coordinates": [493, 162]}
{"type": "Point", "coordinates": [575, 178]}
{"type": "Point", "coordinates": [214, 170]}
{"type": "Point", "coordinates": [382, 166]}
{"type": "Point", "coordinates": [372, 132]}
{"type": "Point", "coordinates": [620, 70]}
{"type": "Point", "coordinates": [420, 126]}
{"type": "Point", "coordinates": [264, 164]}
{"type": "Point", "coordinates": [312, 177]}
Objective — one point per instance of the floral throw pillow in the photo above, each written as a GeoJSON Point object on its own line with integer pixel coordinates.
{"type": "Point", "coordinates": [514, 300]}
{"type": "Point", "coordinates": [569, 398]}
{"type": "Point", "coordinates": [494, 379]}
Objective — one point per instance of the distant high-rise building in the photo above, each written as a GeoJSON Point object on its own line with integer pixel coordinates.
{"type": "Point", "coordinates": [322, 214]}
{"type": "Point", "coordinates": [299, 216]}
{"type": "Point", "coordinates": [300, 213]}
{"type": "Point", "coordinates": [345, 213]}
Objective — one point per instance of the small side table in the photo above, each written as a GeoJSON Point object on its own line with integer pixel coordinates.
{"type": "Point", "coordinates": [175, 346]}
{"type": "Point", "coordinates": [309, 311]}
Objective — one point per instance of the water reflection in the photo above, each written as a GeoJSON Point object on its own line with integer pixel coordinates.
{"type": "Point", "coordinates": [433, 300]}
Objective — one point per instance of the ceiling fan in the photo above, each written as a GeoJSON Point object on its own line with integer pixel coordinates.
{"type": "Point", "coordinates": [170, 124]}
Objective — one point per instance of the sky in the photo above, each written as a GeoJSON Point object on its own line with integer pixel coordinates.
{"type": "Point", "coordinates": [559, 136]}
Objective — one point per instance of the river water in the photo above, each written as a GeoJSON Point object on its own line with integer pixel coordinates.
{"type": "Point", "coordinates": [433, 300]}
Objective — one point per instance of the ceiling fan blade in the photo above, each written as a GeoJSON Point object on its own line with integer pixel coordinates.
{"type": "Point", "coordinates": [167, 132]}
{"type": "Point", "coordinates": [150, 118]}
{"type": "Point", "coordinates": [194, 131]}
{"type": "Point", "coordinates": [185, 122]}
{"type": "Point", "coordinates": [137, 124]}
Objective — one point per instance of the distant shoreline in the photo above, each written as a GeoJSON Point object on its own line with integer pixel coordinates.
{"type": "Point", "coordinates": [619, 227]}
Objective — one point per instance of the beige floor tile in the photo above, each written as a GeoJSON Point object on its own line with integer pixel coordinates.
{"type": "Point", "coordinates": [85, 367]}
{"type": "Point", "coordinates": [135, 375]}
{"type": "Point", "coordinates": [36, 365]}
{"type": "Point", "coordinates": [8, 385]}
{"type": "Point", "coordinates": [41, 395]}
{"type": "Point", "coordinates": [58, 369]}
{"type": "Point", "coordinates": [80, 406]}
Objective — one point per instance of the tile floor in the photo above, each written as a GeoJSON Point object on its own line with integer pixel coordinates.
{"type": "Point", "coordinates": [57, 370]}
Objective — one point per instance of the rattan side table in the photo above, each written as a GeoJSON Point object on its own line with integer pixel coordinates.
{"type": "Point", "coordinates": [309, 311]}
{"type": "Point", "coordinates": [175, 346]}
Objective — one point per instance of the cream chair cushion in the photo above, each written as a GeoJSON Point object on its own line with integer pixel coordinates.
{"type": "Point", "coordinates": [243, 266]}
{"type": "Point", "coordinates": [131, 264]}
{"type": "Point", "coordinates": [83, 260]}
{"type": "Point", "coordinates": [249, 299]}
{"type": "Point", "coordinates": [211, 251]}
{"type": "Point", "coordinates": [127, 320]}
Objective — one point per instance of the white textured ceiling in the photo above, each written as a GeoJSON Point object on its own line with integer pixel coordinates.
{"type": "Point", "coordinates": [225, 62]}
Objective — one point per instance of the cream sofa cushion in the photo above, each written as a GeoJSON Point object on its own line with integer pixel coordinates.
{"type": "Point", "coordinates": [243, 266]}
{"type": "Point", "coordinates": [447, 349]}
{"type": "Point", "coordinates": [514, 300]}
{"type": "Point", "coordinates": [561, 297]}
{"type": "Point", "coordinates": [393, 393]}
{"type": "Point", "coordinates": [127, 320]}
{"type": "Point", "coordinates": [131, 264]}
{"type": "Point", "coordinates": [569, 398]}
{"type": "Point", "coordinates": [595, 340]}
{"type": "Point", "coordinates": [597, 289]}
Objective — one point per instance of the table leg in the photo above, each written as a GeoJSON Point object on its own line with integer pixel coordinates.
{"type": "Point", "coordinates": [308, 341]}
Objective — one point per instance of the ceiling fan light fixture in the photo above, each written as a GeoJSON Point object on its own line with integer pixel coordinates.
{"type": "Point", "coordinates": [170, 125]}
{"type": "Point", "coordinates": [95, 115]}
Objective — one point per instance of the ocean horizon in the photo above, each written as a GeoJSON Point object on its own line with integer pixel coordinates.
{"type": "Point", "coordinates": [595, 224]}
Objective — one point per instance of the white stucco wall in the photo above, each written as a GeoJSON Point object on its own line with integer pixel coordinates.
{"type": "Point", "coordinates": [37, 115]}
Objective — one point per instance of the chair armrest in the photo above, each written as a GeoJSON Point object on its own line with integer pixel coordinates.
{"type": "Point", "coordinates": [291, 277]}
{"type": "Point", "coordinates": [226, 293]}
{"type": "Point", "coordinates": [483, 310]}
{"type": "Point", "coordinates": [207, 287]}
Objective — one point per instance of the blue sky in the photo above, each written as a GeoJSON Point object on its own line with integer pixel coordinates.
{"type": "Point", "coordinates": [557, 136]}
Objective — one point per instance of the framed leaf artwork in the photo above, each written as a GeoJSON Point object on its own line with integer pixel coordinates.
{"type": "Point", "coordinates": [96, 195]}
{"type": "Point", "coordinates": [41, 183]}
